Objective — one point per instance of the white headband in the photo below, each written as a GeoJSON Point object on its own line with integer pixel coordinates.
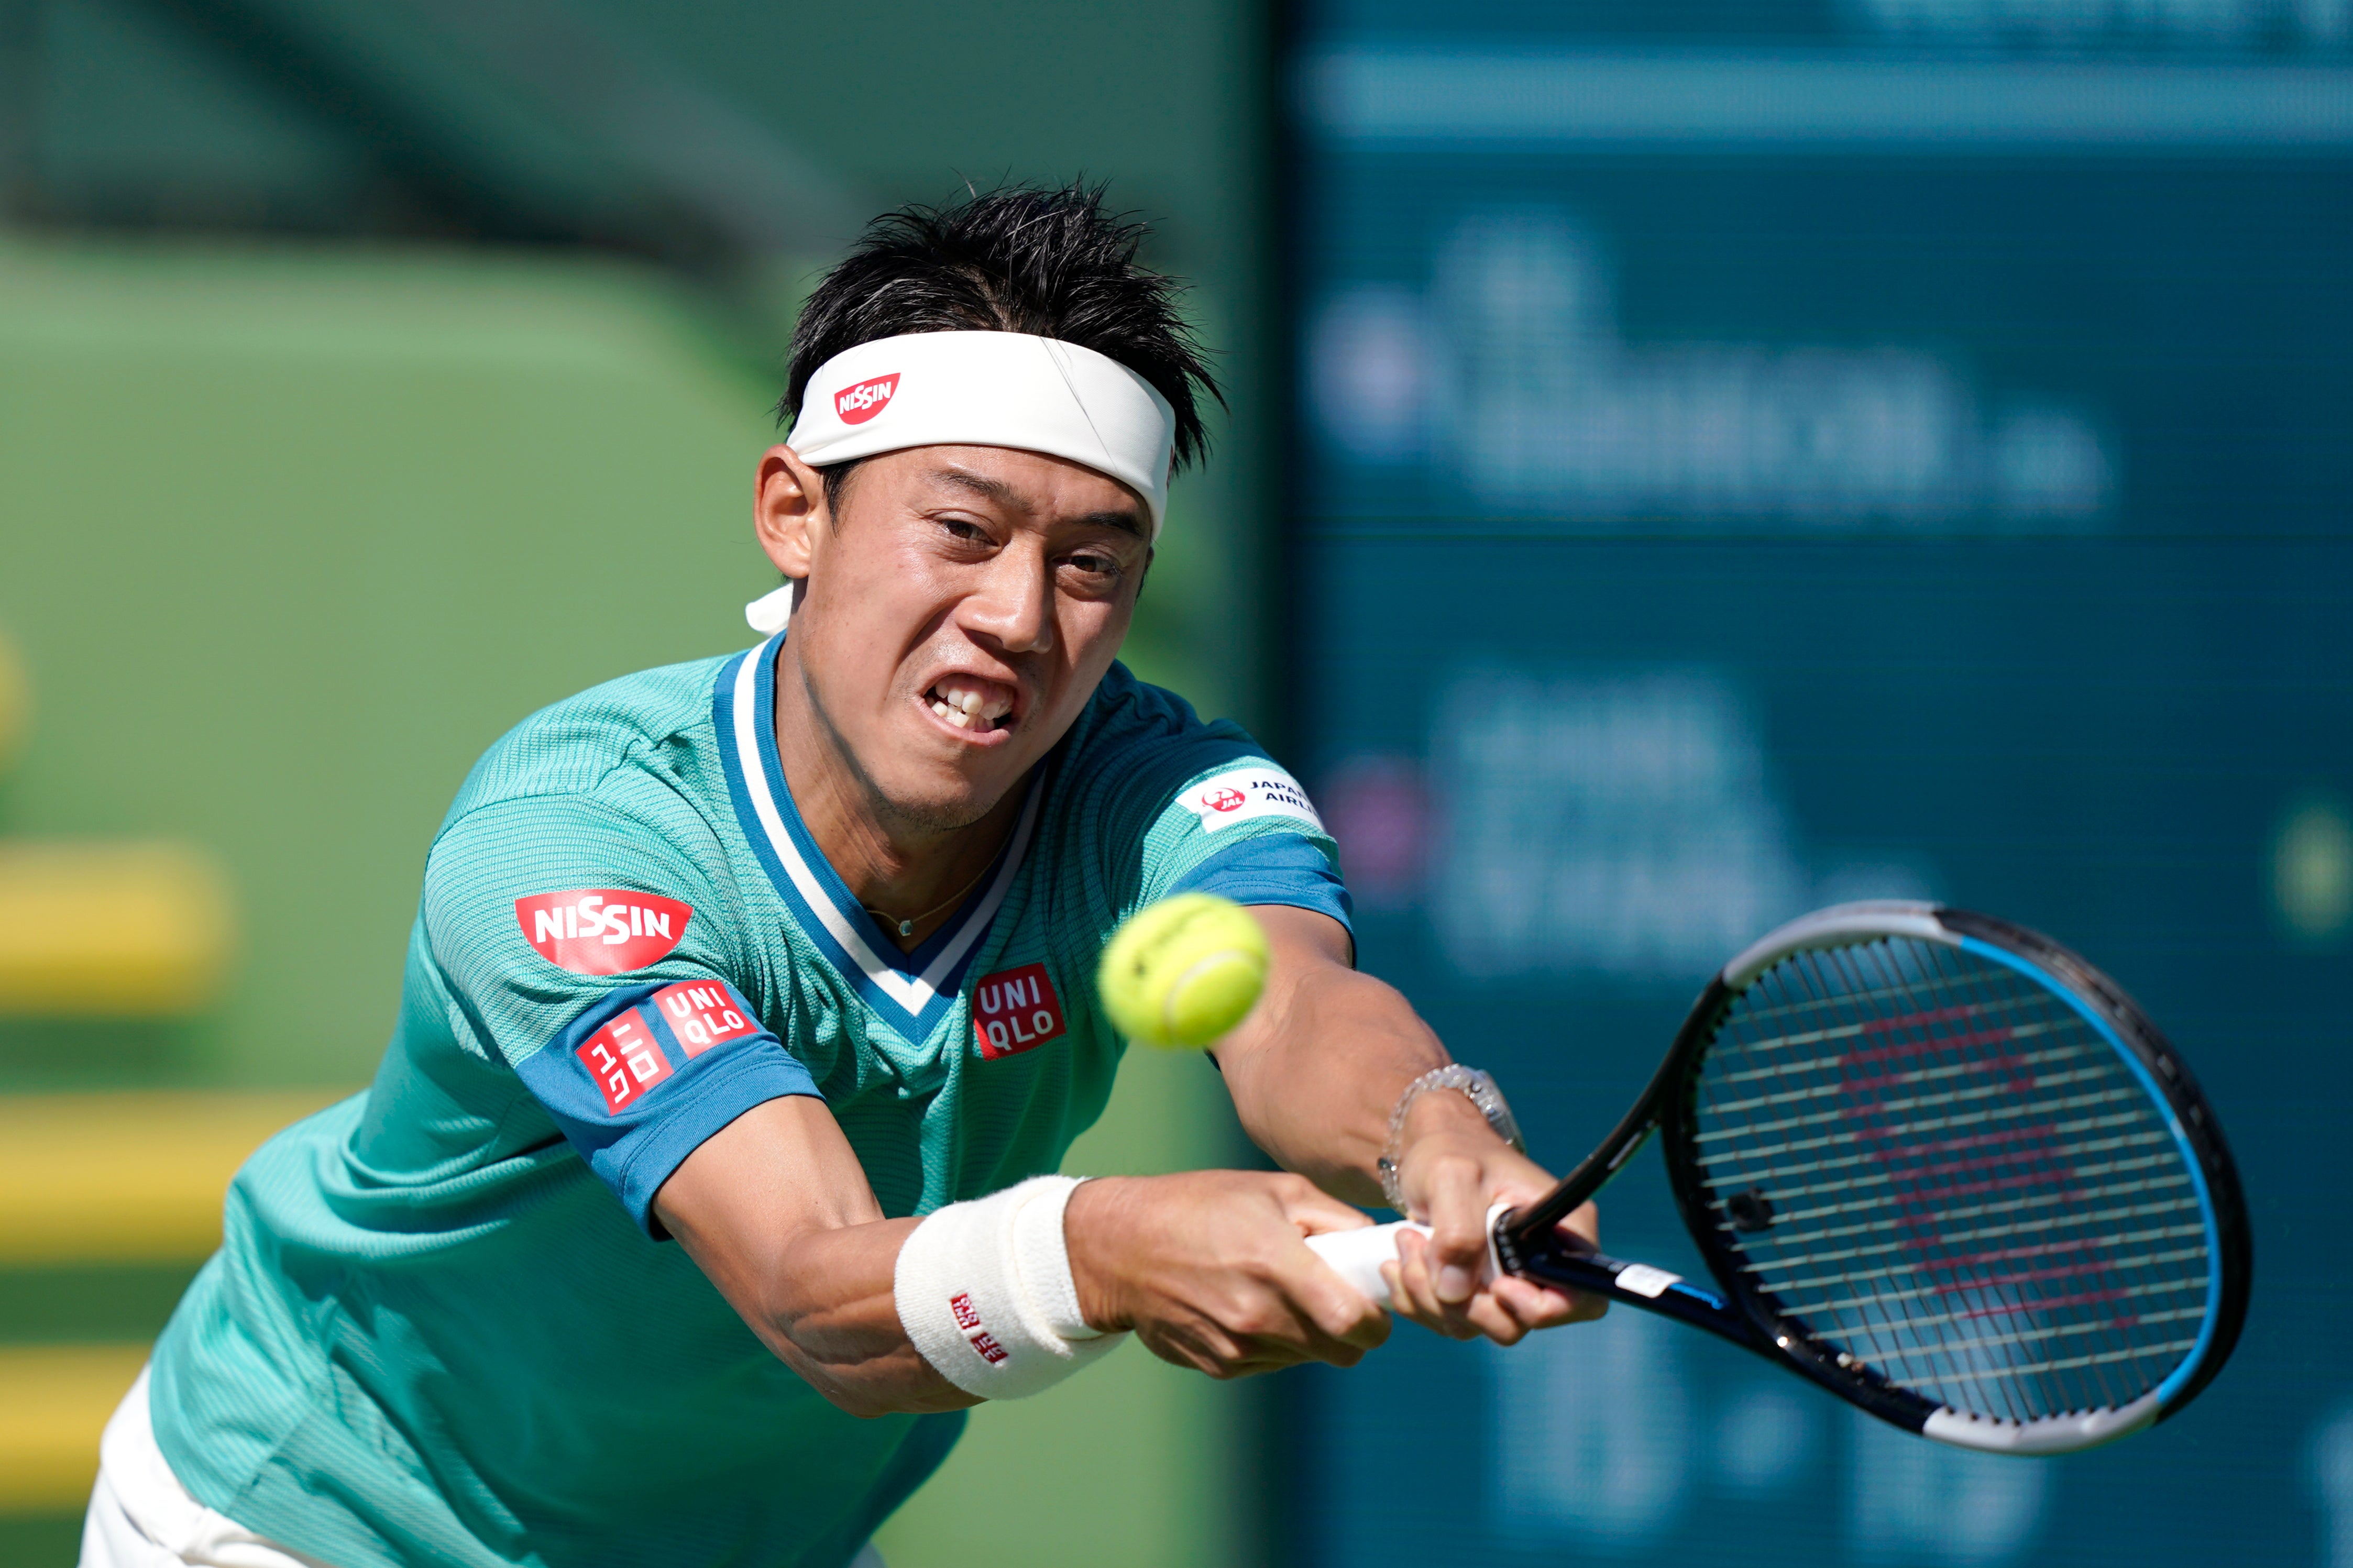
{"type": "Point", "coordinates": [983, 389]}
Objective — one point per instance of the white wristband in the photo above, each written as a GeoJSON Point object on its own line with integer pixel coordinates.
{"type": "Point", "coordinates": [985, 1293]}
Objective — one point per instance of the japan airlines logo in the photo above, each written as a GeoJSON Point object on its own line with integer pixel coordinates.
{"type": "Point", "coordinates": [1014, 1010]}
{"type": "Point", "coordinates": [1246, 793]}
{"type": "Point", "coordinates": [864, 401]}
{"type": "Point", "coordinates": [602, 931]}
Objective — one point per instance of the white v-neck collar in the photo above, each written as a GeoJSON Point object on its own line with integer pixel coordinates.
{"type": "Point", "coordinates": [912, 990]}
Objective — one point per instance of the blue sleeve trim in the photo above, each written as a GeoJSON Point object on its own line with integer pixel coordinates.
{"type": "Point", "coordinates": [1274, 868]}
{"type": "Point", "coordinates": [639, 1080]}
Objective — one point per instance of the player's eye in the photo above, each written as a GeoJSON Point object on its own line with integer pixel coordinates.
{"type": "Point", "coordinates": [965, 531]}
{"type": "Point", "coordinates": [1097, 569]}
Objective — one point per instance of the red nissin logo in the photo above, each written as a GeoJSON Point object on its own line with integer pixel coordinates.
{"type": "Point", "coordinates": [602, 931]}
{"type": "Point", "coordinates": [864, 401]}
{"type": "Point", "coordinates": [1014, 1010]}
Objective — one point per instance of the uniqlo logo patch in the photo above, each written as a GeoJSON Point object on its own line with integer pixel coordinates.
{"type": "Point", "coordinates": [702, 1014]}
{"type": "Point", "coordinates": [624, 1060]}
{"type": "Point", "coordinates": [1014, 1010]}
{"type": "Point", "coordinates": [602, 931]}
{"type": "Point", "coordinates": [856, 405]}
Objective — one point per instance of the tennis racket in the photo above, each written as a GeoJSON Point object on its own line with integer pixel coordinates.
{"type": "Point", "coordinates": [1938, 1165]}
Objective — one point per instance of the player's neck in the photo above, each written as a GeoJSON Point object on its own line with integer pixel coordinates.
{"type": "Point", "coordinates": [911, 875]}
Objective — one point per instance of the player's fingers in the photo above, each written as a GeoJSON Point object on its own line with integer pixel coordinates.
{"type": "Point", "coordinates": [1540, 1306]}
{"type": "Point", "coordinates": [1314, 1211]}
{"type": "Point", "coordinates": [1487, 1315]}
{"type": "Point", "coordinates": [1334, 1308]}
{"type": "Point", "coordinates": [1414, 1291]}
{"type": "Point", "coordinates": [1454, 1192]}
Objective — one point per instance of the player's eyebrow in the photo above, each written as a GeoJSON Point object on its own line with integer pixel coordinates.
{"type": "Point", "coordinates": [1124, 518]}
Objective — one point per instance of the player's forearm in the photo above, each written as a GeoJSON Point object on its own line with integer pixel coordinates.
{"type": "Point", "coordinates": [777, 1210]}
{"type": "Point", "coordinates": [823, 1304]}
{"type": "Point", "coordinates": [1319, 1065]}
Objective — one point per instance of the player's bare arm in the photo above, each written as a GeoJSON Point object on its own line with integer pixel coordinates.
{"type": "Point", "coordinates": [1316, 1071]}
{"type": "Point", "coordinates": [1206, 1266]}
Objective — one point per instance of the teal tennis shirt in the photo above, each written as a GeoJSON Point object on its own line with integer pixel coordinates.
{"type": "Point", "coordinates": [443, 1326]}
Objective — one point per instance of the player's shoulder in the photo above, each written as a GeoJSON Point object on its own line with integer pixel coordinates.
{"type": "Point", "coordinates": [1131, 724]}
{"type": "Point", "coordinates": [1138, 750]}
{"type": "Point", "coordinates": [632, 758]}
{"type": "Point", "coordinates": [576, 746]}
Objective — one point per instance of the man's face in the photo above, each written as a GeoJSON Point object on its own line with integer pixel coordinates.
{"type": "Point", "coordinates": [959, 613]}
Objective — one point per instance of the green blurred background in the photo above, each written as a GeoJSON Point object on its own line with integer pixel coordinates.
{"type": "Point", "coordinates": [372, 375]}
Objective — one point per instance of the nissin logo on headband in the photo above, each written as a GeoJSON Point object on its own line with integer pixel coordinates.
{"type": "Point", "coordinates": [865, 400]}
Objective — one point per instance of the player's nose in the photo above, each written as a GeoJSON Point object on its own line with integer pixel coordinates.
{"type": "Point", "coordinates": [1012, 604]}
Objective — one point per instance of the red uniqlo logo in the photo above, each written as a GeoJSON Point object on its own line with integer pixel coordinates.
{"type": "Point", "coordinates": [1225, 800]}
{"type": "Point", "coordinates": [858, 404]}
{"type": "Point", "coordinates": [1014, 1010]}
{"type": "Point", "coordinates": [701, 1015]}
{"type": "Point", "coordinates": [967, 1316]}
{"type": "Point", "coordinates": [624, 1060]}
{"type": "Point", "coordinates": [602, 931]}
{"type": "Point", "coordinates": [990, 1350]}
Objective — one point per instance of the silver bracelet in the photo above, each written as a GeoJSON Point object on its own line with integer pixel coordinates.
{"type": "Point", "coordinates": [1476, 1087]}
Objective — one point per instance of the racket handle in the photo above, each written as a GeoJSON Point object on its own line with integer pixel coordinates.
{"type": "Point", "coordinates": [1357, 1256]}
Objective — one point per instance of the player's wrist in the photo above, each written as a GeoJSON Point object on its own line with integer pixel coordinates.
{"type": "Point", "coordinates": [986, 1293]}
{"type": "Point", "coordinates": [1093, 1227]}
{"type": "Point", "coordinates": [1448, 1104]}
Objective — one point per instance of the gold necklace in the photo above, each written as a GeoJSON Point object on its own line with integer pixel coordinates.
{"type": "Point", "coordinates": [907, 927]}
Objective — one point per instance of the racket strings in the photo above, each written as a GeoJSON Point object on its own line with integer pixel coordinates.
{"type": "Point", "coordinates": [1943, 1172]}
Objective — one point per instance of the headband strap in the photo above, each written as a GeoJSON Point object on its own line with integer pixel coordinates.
{"type": "Point", "coordinates": [983, 389]}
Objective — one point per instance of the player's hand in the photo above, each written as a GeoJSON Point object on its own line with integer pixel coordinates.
{"type": "Point", "coordinates": [1454, 1170]}
{"type": "Point", "coordinates": [1211, 1270]}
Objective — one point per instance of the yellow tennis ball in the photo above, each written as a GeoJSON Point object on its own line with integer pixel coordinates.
{"type": "Point", "coordinates": [1183, 971]}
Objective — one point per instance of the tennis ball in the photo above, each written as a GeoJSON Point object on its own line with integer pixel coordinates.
{"type": "Point", "coordinates": [1183, 971]}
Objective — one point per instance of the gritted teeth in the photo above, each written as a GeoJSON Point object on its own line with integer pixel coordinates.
{"type": "Point", "coordinates": [970, 703]}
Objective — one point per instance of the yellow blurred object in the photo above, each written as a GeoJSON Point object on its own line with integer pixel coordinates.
{"type": "Point", "coordinates": [16, 704]}
{"type": "Point", "coordinates": [54, 1402]}
{"type": "Point", "coordinates": [111, 931]}
{"type": "Point", "coordinates": [128, 1178]}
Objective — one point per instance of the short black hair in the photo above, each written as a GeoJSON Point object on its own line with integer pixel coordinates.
{"type": "Point", "coordinates": [1051, 262]}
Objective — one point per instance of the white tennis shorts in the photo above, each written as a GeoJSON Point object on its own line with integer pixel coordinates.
{"type": "Point", "coordinates": [142, 1516]}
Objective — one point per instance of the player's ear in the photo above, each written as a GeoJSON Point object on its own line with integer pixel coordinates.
{"type": "Point", "coordinates": [787, 506]}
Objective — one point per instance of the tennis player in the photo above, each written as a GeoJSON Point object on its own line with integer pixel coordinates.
{"type": "Point", "coordinates": [748, 1009]}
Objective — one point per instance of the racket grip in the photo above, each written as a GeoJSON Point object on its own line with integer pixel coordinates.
{"type": "Point", "coordinates": [1357, 1256]}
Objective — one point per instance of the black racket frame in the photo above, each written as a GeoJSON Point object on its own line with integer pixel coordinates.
{"type": "Point", "coordinates": [1529, 1242]}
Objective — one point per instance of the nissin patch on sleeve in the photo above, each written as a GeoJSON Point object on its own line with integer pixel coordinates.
{"type": "Point", "coordinates": [602, 931]}
{"type": "Point", "coordinates": [1242, 794]}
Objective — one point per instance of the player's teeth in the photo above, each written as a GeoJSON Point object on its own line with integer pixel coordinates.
{"type": "Point", "coordinates": [959, 718]}
{"type": "Point", "coordinates": [940, 708]}
{"type": "Point", "coordinates": [968, 700]}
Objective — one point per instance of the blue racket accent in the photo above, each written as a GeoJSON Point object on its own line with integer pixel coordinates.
{"type": "Point", "coordinates": [2172, 1386]}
